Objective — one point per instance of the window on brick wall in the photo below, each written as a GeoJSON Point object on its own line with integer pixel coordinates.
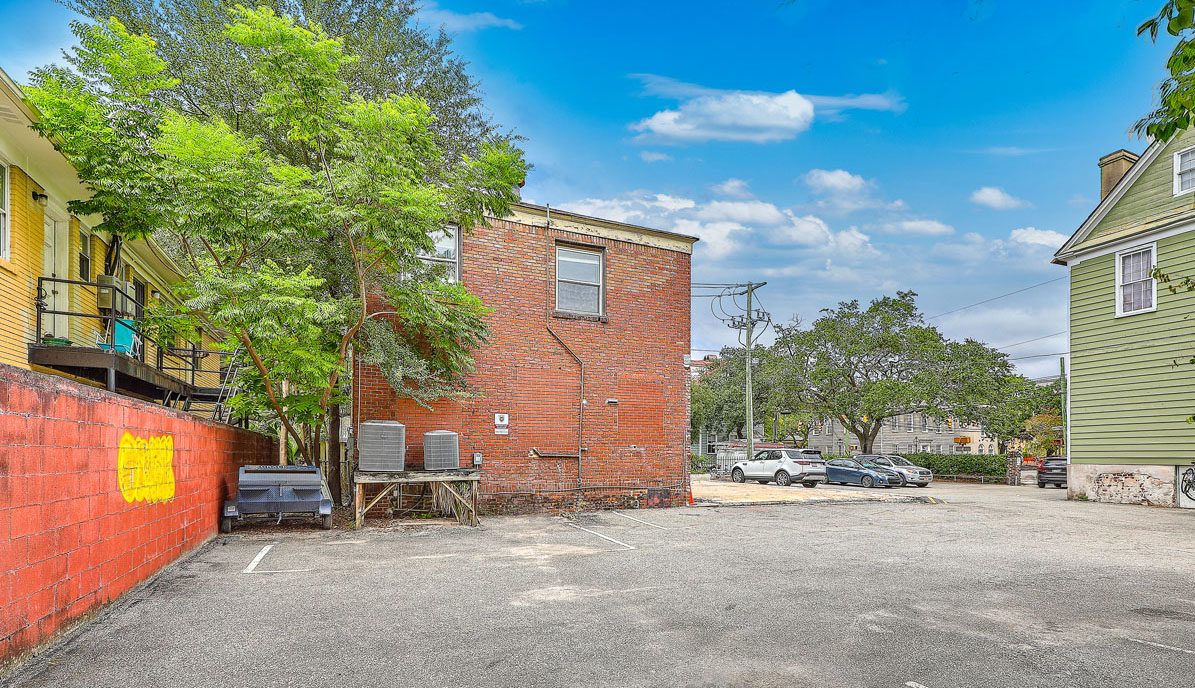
{"type": "Point", "coordinates": [579, 281]}
{"type": "Point", "coordinates": [4, 214]}
{"type": "Point", "coordinates": [445, 259]}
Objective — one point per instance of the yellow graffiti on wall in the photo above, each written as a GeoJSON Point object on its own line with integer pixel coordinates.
{"type": "Point", "coordinates": [145, 468]}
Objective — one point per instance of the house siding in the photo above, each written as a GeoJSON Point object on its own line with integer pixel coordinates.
{"type": "Point", "coordinates": [1132, 389]}
{"type": "Point", "coordinates": [1150, 201]}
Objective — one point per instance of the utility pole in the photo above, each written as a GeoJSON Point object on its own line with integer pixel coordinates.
{"type": "Point", "coordinates": [750, 399]}
{"type": "Point", "coordinates": [744, 323]}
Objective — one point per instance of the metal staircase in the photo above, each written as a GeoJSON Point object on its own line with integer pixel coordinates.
{"type": "Point", "coordinates": [220, 409]}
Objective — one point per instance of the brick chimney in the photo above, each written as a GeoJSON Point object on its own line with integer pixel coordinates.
{"type": "Point", "coordinates": [1113, 166]}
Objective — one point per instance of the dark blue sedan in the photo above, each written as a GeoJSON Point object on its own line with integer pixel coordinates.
{"type": "Point", "coordinates": [852, 472]}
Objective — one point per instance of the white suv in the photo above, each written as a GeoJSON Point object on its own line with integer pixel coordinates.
{"type": "Point", "coordinates": [785, 466]}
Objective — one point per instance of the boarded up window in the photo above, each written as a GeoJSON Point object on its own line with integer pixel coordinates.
{"type": "Point", "coordinates": [640, 411]}
{"type": "Point", "coordinates": [546, 414]}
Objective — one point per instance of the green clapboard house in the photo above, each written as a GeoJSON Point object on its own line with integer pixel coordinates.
{"type": "Point", "coordinates": [1131, 388]}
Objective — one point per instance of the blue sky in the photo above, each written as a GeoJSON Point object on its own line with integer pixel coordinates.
{"type": "Point", "coordinates": [835, 150]}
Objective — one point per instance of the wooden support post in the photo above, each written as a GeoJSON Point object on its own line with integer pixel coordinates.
{"type": "Point", "coordinates": [358, 497]}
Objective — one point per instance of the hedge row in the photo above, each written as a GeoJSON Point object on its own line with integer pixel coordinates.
{"type": "Point", "coordinates": [961, 464]}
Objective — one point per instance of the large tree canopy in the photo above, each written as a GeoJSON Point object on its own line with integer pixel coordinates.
{"type": "Point", "coordinates": [861, 366]}
{"type": "Point", "coordinates": [287, 227]}
{"type": "Point", "coordinates": [211, 73]}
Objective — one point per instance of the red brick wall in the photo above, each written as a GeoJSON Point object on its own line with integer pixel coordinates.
{"type": "Point", "coordinates": [635, 355]}
{"type": "Point", "coordinates": [69, 539]}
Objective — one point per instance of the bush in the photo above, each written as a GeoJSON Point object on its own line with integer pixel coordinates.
{"type": "Point", "coordinates": [961, 464]}
{"type": "Point", "coordinates": [700, 463]}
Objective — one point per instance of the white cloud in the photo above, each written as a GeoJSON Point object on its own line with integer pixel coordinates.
{"type": "Point", "coordinates": [459, 22]}
{"type": "Point", "coordinates": [844, 192]}
{"type": "Point", "coordinates": [748, 212]}
{"type": "Point", "coordinates": [753, 117]}
{"type": "Point", "coordinates": [885, 102]}
{"type": "Point", "coordinates": [654, 156]}
{"type": "Point", "coordinates": [852, 240]}
{"type": "Point", "coordinates": [997, 198]}
{"type": "Point", "coordinates": [708, 114]}
{"type": "Point", "coordinates": [919, 227]}
{"type": "Point", "coordinates": [718, 239]}
{"type": "Point", "coordinates": [736, 188]}
{"type": "Point", "coordinates": [835, 181]}
{"type": "Point", "coordinates": [1037, 237]}
{"type": "Point", "coordinates": [807, 230]}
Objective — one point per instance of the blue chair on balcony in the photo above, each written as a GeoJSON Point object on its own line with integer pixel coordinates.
{"type": "Point", "coordinates": [124, 338]}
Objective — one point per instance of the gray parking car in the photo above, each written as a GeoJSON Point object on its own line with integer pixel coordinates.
{"type": "Point", "coordinates": [910, 474]}
{"type": "Point", "coordinates": [785, 466]}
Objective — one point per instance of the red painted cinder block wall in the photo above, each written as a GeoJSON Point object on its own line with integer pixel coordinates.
{"type": "Point", "coordinates": [70, 539]}
{"type": "Point", "coordinates": [634, 354]}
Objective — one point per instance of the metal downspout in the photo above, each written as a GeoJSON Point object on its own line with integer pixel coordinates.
{"type": "Point", "coordinates": [580, 364]}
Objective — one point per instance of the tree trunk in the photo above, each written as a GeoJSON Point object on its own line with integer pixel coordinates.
{"type": "Point", "coordinates": [334, 455]}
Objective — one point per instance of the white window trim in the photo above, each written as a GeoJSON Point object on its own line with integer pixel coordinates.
{"type": "Point", "coordinates": [455, 262]}
{"type": "Point", "coordinates": [1153, 248]}
{"type": "Point", "coordinates": [601, 283]}
{"type": "Point", "coordinates": [1174, 172]}
{"type": "Point", "coordinates": [5, 211]}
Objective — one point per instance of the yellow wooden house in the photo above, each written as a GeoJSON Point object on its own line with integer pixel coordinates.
{"type": "Point", "coordinates": [61, 312]}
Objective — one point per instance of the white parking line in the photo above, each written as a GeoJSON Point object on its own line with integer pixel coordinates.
{"type": "Point", "coordinates": [252, 567]}
{"type": "Point", "coordinates": [639, 520]}
{"type": "Point", "coordinates": [914, 684]}
{"type": "Point", "coordinates": [604, 537]}
{"type": "Point", "coordinates": [1164, 647]}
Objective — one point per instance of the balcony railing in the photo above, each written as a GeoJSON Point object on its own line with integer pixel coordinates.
{"type": "Point", "coordinates": [111, 345]}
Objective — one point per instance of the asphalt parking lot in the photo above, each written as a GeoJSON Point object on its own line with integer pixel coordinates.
{"type": "Point", "coordinates": [997, 586]}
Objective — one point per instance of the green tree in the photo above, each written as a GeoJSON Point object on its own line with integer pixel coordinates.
{"type": "Point", "coordinates": [1044, 433]}
{"type": "Point", "coordinates": [211, 76]}
{"type": "Point", "coordinates": [1176, 93]}
{"type": "Point", "coordinates": [1017, 399]}
{"type": "Point", "coordinates": [860, 366]}
{"type": "Point", "coordinates": [371, 189]}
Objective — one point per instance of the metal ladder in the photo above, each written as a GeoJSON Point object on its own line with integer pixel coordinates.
{"type": "Point", "coordinates": [221, 411]}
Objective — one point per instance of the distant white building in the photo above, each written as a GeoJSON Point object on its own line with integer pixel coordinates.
{"type": "Point", "coordinates": [908, 433]}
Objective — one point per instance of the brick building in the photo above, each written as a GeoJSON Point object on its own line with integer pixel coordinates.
{"type": "Point", "coordinates": [586, 361]}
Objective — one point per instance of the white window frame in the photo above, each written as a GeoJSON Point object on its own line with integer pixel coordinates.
{"type": "Point", "coordinates": [1174, 172]}
{"type": "Point", "coordinates": [5, 211]}
{"type": "Point", "coordinates": [455, 262]}
{"type": "Point", "coordinates": [600, 284]}
{"type": "Point", "coordinates": [85, 250]}
{"type": "Point", "coordinates": [909, 423]}
{"type": "Point", "coordinates": [1153, 249]}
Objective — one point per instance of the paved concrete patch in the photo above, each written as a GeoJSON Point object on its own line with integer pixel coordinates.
{"type": "Point", "coordinates": [997, 587]}
{"type": "Point", "coordinates": [726, 493]}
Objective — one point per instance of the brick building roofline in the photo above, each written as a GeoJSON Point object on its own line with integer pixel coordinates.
{"type": "Point", "coordinates": [587, 219]}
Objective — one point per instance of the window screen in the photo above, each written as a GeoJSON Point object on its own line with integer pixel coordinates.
{"type": "Point", "coordinates": [1186, 171]}
{"type": "Point", "coordinates": [579, 281]}
{"type": "Point", "coordinates": [1136, 285]}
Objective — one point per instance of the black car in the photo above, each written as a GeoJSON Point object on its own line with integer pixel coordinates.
{"type": "Point", "coordinates": [1052, 471]}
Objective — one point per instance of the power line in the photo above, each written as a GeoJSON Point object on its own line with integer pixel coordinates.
{"type": "Point", "coordinates": [1035, 339]}
{"type": "Point", "coordinates": [980, 303]}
